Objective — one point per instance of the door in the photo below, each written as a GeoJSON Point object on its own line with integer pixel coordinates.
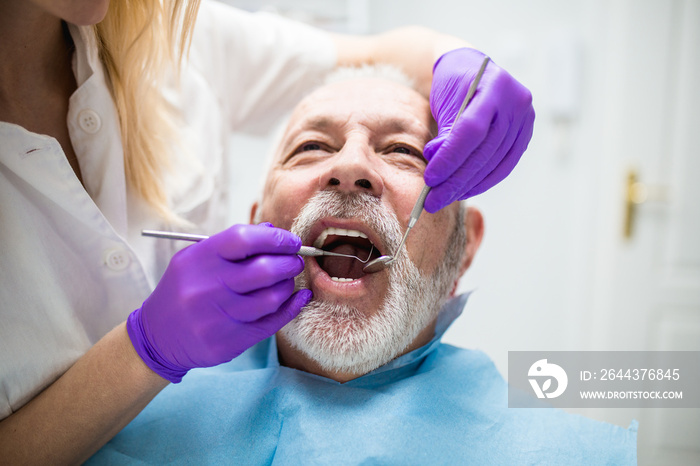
{"type": "Point", "coordinates": [647, 293]}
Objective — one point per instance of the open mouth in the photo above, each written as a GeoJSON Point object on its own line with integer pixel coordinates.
{"type": "Point", "coordinates": [345, 241]}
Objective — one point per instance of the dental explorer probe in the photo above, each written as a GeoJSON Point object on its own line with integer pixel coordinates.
{"type": "Point", "coordinates": [382, 262]}
{"type": "Point", "coordinates": [307, 251]}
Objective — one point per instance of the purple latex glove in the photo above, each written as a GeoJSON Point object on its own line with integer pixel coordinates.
{"type": "Point", "coordinates": [218, 298]}
{"type": "Point", "coordinates": [490, 136]}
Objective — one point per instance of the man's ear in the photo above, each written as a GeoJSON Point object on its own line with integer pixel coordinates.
{"type": "Point", "coordinates": [474, 223]}
{"type": "Point", "coordinates": [253, 211]}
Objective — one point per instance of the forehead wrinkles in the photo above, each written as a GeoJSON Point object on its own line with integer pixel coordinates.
{"type": "Point", "coordinates": [374, 123]}
{"type": "Point", "coordinates": [356, 99]}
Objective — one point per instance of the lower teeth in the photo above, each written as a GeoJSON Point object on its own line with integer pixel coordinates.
{"type": "Point", "coordinates": [336, 279]}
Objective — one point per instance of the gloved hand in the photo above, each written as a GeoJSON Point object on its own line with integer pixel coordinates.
{"type": "Point", "coordinates": [490, 136]}
{"type": "Point", "coordinates": [218, 298]}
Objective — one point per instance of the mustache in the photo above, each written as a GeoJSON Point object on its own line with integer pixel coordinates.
{"type": "Point", "coordinates": [364, 207]}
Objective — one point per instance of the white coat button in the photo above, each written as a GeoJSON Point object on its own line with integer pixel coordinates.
{"type": "Point", "coordinates": [117, 259]}
{"type": "Point", "coordinates": [89, 121]}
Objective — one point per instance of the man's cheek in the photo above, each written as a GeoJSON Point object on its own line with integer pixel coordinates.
{"type": "Point", "coordinates": [293, 196]}
{"type": "Point", "coordinates": [282, 214]}
{"type": "Point", "coordinates": [428, 248]}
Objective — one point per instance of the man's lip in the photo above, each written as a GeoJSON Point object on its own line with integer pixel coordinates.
{"type": "Point", "coordinates": [348, 224]}
{"type": "Point", "coordinates": [371, 285]}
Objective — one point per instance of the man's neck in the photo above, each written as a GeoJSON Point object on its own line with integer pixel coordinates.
{"type": "Point", "coordinates": [292, 357]}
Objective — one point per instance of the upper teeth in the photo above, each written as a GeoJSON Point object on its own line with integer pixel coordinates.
{"type": "Point", "coordinates": [338, 232]}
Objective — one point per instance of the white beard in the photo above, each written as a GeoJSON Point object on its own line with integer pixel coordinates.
{"type": "Point", "coordinates": [344, 339]}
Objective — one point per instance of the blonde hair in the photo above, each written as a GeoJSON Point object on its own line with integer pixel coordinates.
{"type": "Point", "coordinates": [141, 43]}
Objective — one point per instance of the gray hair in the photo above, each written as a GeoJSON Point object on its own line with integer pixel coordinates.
{"type": "Point", "coordinates": [380, 71]}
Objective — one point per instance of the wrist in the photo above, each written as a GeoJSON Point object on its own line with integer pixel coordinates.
{"type": "Point", "coordinates": [148, 353]}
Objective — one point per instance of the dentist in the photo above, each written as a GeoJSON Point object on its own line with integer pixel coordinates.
{"type": "Point", "coordinates": [114, 117]}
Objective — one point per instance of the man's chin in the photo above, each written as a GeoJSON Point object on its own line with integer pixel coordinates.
{"type": "Point", "coordinates": [358, 326]}
{"type": "Point", "coordinates": [340, 338]}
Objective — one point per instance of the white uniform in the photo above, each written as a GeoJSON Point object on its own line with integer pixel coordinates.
{"type": "Point", "coordinates": [72, 261]}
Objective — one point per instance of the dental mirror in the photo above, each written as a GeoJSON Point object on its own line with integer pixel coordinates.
{"type": "Point", "coordinates": [378, 264]}
{"type": "Point", "coordinates": [383, 262]}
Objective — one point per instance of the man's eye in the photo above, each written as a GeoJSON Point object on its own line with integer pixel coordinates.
{"type": "Point", "coordinates": [405, 149]}
{"type": "Point", "coordinates": [406, 155]}
{"type": "Point", "coordinates": [309, 146]}
{"type": "Point", "coordinates": [308, 152]}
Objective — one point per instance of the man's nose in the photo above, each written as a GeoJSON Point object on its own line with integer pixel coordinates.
{"type": "Point", "coordinates": [353, 169]}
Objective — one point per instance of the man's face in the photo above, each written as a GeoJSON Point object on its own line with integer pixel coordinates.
{"type": "Point", "coordinates": [350, 161]}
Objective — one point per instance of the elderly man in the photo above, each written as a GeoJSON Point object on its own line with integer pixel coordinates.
{"type": "Point", "coordinates": [360, 376]}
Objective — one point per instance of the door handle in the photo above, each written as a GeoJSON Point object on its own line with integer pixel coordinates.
{"type": "Point", "coordinates": [637, 193]}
